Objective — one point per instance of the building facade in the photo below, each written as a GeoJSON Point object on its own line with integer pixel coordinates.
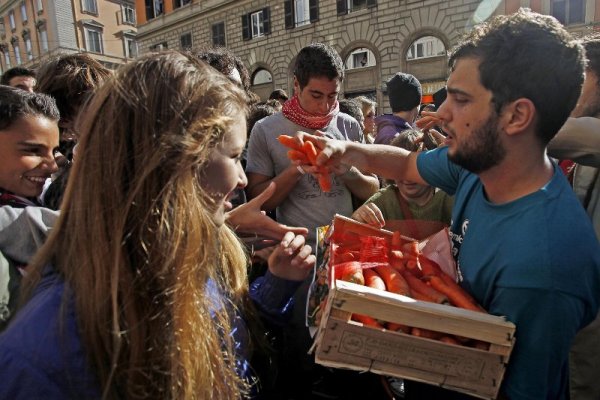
{"type": "Point", "coordinates": [375, 38]}
{"type": "Point", "coordinates": [33, 30]}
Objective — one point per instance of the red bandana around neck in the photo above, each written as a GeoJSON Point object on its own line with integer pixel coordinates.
{"type": "Point", "coordinates": [295, 113]}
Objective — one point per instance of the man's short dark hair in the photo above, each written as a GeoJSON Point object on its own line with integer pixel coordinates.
{"type": "Point", "coordinates": [16, 71]}
{"type": "Point", "coordinates": [225, 61]}
{"type": "Point", "coordinates": [16, 103]}
{"type": "Point", "coordinates": [318, 60]}
{"type": "Point", "coordinates": [71, 79]}
{"type": "Point", "coordinates": [278, 94]}
{"type": "Point", "coordinates": [528, 55]}
{"type": "Point", "coordinates": [591, 44]}
{"type": "Point", "coordinates": [352, 108]}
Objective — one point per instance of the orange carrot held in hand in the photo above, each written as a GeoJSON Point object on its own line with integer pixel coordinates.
{"type": "Point", "coordinates": [325, 182]}
{"type": "Point", "coordinates": [372, 279]}
{"type": "Point", "coordinates": [397, 260]}
{"type": "Point", "coordinates": [452, 283]}
{"type": "Point", "coordinates": [455, 294]}
{"type": "Point", "coordinates": [429, 267]}
{"type": "Point", "coordinates": [311, 152]}
{"type": "Point", "coordinates": [297, 155]}
{"type": "Point", "coordinates": [394, 282]}
{"type": "Point", "coordinates": [290, 142]}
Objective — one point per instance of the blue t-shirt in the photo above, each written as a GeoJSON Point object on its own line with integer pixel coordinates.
{"type": "Point", "coordinates": [42, 356]}
{"type": "Point", "coordinates": [535, 260]}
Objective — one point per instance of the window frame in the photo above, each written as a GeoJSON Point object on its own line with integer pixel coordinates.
{"type": "Point", "coordinates": [126, 12]}
{"type": "Point", "coordinates": [181, 41]}
{"type": "Point", "coordinates": [44, 40]}
{"type": "Point", "coordinates": [92, 29]}
{"type": "Point", "coordinates": [40, 5]}
{"type": "Point", "coordinates": [414, 46]}
{"type": "Point", "coordinates": [12, 21]}
{"type": "Point", "coordinates": [24, 16]}
{"type": "Point", "coordinates": [28, 48]}
{"type": "Point", "coordinates": [216, 36]}
{"type": "Point", "coordinates": [126, 41]}
{"type": "Point", "coordinates": [17, 51]}
{"type": "Point", "coordinates": [567, 17]}
{"type": "Point", "coordinates": [7, 59]}
{"type": "Point", "coordinates": [86, 3]}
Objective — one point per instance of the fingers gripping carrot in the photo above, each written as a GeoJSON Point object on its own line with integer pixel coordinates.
{"type": "Point", "coordinates": [418, 286]}
{"type": "Point", "coordinates": [311, 152]}
{"type": "Point", "coordinates": [325, 182]}
{"type": "Point", "coordinates": [297, 155]}
{"type": "Point", "coordinates": [290, 142]}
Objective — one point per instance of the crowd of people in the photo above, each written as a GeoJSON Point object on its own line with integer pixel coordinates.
{"type": "Point", "coordinates": [156, 241]}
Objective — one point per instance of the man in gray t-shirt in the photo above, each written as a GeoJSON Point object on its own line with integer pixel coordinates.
{"type": "Point", "coordinates": [299, 201]}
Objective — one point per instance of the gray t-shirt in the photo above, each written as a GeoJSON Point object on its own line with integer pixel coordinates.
{"type": "Point", "coordinates": [306, 205]}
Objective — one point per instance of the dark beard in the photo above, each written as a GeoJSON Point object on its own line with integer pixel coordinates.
{"type": "Point", "coordinates": [484, 149]}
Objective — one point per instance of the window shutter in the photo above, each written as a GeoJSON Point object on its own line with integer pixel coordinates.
{"type": "Point", "coordinates": [314, 10]}
{"type": "Point", "coordinates": [342, 7]}
{"type": "Point", "coordinates": [288, 12]}
{"type": "Point", "coordinates": [246, 27]}
{"type": "Point", "coordinates": [266, 20]}
{"type": "Point", "coordinates": [371, 3]}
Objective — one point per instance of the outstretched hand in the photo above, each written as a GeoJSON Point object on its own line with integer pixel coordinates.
{"type": "Point", "coordinates": [428, 120]}
{"type": "Point", "coordinates": [292, 259]}
{"type": "Point", "coordinates": [249, 219]}
{"type": "Point", "coordinates": [329, 151]}
{"type": "Point", "coordinates": [369, 214]}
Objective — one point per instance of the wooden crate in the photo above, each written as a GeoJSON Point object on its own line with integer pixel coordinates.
{"type": "Point", "coordinates": [343, 343]}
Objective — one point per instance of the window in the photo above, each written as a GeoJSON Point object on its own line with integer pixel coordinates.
{"type": "Point", "coordinates": [181, 3]}
{"type": "Point", "coordinates": [7, 59]}
{"type": "Point", "coordinates": [346, 6]}
{"type": "Point", "coordinates": [425, 47]}
{"type": "Point", "coordinates": [159, 47]}
{"type": "Point", "coordinates": [93, 39]}
{"type": "Point", "coordinates": [89, 6]}
{"type": "Point", "coordinates": [360, 58]}
{"type": "Point", "coordinates": [44, 40]}
{"type": "Point", "coordinates": [256, 24]}
{"type": "Point", "coordinates": [218, 34]}
{"type": "Point", "coordinates": [28, 48]}
{"type": "Point", "coordinates": [17, 53]}
{"type": "Point", "coordinates": [128, 14]}
{"type": "Point", "coordinates": [261, 76]}
{"type": "Point", "coordinates": [23, 12]}
{"type": "Point", "coordinates": [130, 47]}
{"type": "Point", "coordinates": [154, 8]}
{"type": "Point", "coordinates": [185, 41]}
{"type": "Point", "coordinates": [569, 11]}
{"type": "Point", "coordinates": [300, 12]}
{"type": "Point", "coordinates": [11, 20]}
{"type": "Point", "coordinates": [40, 5]}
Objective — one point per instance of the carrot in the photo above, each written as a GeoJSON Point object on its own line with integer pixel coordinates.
{"type": "Point", "coordinates": [350, 271]}
{"type": "Point", "coordinates": [426, 333]}
{"type": "Point", "coordinates": [394, 282]}
{"type": "Point", "coordinates": [418, 286]}
{"type": "Point", "coordinates": [452, 283]}
{"type": "Point", "coordinates": [325, 182]}
{"type": "Point", "coordinates": [396, 240]}
{"type": "Point", "coordinates": [396, 260]}
{"type": "Point", "coordinates": [366, 320]}
{"type": "Point", "coordinates": [297, 155]}
{"type": "Point", "coordinates": [412, 248]}
{"type": "Point", "coordinates": [450, 340]}
{"type": "Point", "coordinates": [392, 326]}
{"type": "Point", "coordinates": [429, 267]}
{"type": "Point", "coordinates": [290, 142]}
{"type": "Point", "coordinates": [311, 152]}
{"type": "Point", "coordinates": [455, 294]}
{"type": "Point", "coordinates": [372, 279]}
{"type": "Point", "coordinates": [345, 256]}
{"type": "Point", "coordinates": [412, 265]}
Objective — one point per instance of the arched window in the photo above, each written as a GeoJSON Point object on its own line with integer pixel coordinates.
{"type": "Point", "coordinates": [261, 76]}
{"type": "Point", "coordinates": [425, 47]}
{"type": "Point", "coordinates": [360, 58]}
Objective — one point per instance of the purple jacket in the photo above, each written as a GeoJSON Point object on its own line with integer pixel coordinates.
{"type": "Point", "coordinates": [388, 127]}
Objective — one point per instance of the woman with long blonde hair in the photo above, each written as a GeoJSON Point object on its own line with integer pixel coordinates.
{"type": "Point", "coordinates": [140, 291]}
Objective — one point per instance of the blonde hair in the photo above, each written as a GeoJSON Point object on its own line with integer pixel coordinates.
{"type": "Point", "coordinates": [136, 243]}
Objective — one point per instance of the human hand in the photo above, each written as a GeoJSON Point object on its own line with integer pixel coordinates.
{"type": "Point", "coordinates": [428, 120]}
{"type": "Point", "coordinates": [292, 259]}
{"type": "Point", "coordinates": [369, 214]}
{"type": "Point", "coordinates": [249, 219]}
{"type": "Point", "coordinates": [329, 151]}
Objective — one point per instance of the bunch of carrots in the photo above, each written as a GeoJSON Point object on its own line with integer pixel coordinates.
{"type": "Point", "coordinates": [306, 154]}
{"type": "Point", "coordinates": [402, 270]}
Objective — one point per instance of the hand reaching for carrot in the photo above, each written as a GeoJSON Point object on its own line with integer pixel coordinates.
{"type": "Point", "coordinates": [369, 214]}
{"type": "Point", "coordinates": [307, 153]}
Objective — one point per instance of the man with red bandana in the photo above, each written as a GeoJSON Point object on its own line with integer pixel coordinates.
{"type": "Point", "coordinates": [299, 201]}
